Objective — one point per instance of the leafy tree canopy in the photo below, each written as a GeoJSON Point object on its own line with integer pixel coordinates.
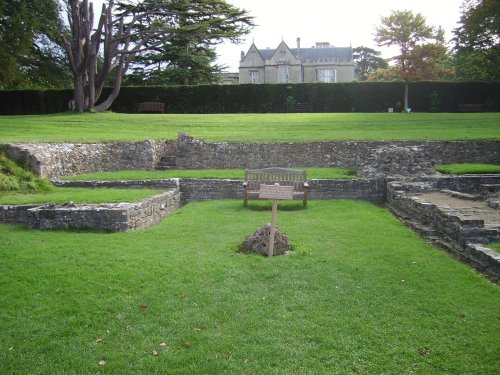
{"type": "Point", "coordinates": [127, 29]}
{"type": "Point", "coordinates": [477, 41]}
{"type": "Point", "coordinates": [367, 60]}
{"type": "Point", "coordinates": [30, 52]}
{"type": "Point", "coordinates": [422, 55]}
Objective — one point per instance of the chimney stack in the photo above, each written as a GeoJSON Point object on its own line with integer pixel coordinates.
{"type": "Point", "coordinates": [298, 43]}
{"type": "Point", "coordinates": [242, 55]}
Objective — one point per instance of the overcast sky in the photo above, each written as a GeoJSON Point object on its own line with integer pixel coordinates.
{"type": "Point", "coordinates": [340, 22]}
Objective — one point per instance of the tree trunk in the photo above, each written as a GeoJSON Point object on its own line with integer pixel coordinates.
{"type": "Point", "coordinates": [405, 108]}
{"type": "Point", "coordinates": [121, 68]}
{"type": "Point", "coordinates": [79, 92]}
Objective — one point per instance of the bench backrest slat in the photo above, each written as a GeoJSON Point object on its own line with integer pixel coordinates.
{"type": "Point", "coordinates": [269, 176]}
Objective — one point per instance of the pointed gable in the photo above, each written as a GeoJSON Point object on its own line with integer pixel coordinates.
{"type": "Point", "coordinates": [283, 55]}
{"type": "Point", "coordinates": [253, 58]}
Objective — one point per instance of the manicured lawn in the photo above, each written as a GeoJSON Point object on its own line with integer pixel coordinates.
{"type": "Point", "coordinates": [468, 168]}
{"type": "Point", "coordinates": [77, 195]}
{"type": "Point", "coordinates": [250, 127]}
{"type": "Point", "coordinates": [235, 174]}
{"type": "Point", "coordinates": [360, 293]}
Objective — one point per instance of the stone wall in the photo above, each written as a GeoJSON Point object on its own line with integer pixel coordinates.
{"type": "Point", "coordinates": [193, 189]}
{"type": "Point", "coordinates": [65, 159]}
{"type": "Point", "coordinates": [374, 159]}
{"type": "Point", "coordinates": [442, 225]}
{"type": "Point", "coordinates": [113, 217]}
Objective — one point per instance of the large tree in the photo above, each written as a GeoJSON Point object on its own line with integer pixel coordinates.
{"type": "Point", "coordinates": [30, 51]}
{"type": "Point", "coordinates": [477, 40]}
{"type": "Point", "coordinates": [421, 47]}
{"type": "Point", "coordinates": [367, 60]}
{"type": "Point", "coordinates": [188, 57]}
{"type": "Point", "coordinates": [125, 29]}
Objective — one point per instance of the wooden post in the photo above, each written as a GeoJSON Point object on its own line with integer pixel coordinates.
{"type": "Point", "coordinates": [270, 249]}
{"type": "Point", "coordinates": [274, 192]}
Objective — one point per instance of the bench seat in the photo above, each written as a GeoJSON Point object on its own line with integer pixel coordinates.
{"type": "Point", "coordinates": [270, 176]}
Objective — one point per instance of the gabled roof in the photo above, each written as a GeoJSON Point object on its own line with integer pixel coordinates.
{"type": "Point", "coordinates": [314, 54]}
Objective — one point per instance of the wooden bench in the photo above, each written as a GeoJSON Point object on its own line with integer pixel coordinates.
{"type": "Point", "coordinates": [470, 108]}
{"type": "Point", "coordinates": [151, 107]}
{"type": "Point", "coordinates": [270, 176]}
{"type": "Point", "coordinates": [299, 107]}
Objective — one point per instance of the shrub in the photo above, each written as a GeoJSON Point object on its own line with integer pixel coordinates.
{"type": "Point", "coordinates": [272, 98]}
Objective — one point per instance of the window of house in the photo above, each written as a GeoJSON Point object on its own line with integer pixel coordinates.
{"type": "Point", "coordinates": [254, 76]}
{"type": "Point", "coordinates": [326, 75]}
{"type": "Point", "coordinates": [282, 74]}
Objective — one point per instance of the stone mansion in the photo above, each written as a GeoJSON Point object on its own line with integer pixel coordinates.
{"type": "Point", "coordinates": [320, 63]}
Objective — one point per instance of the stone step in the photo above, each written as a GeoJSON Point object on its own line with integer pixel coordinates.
{"type": "Point", "coordinates": [166, 162]}
{"type": "Point", "coordinates": [162, 167]}
{"type": "Point", "coordinates": [465, 196]}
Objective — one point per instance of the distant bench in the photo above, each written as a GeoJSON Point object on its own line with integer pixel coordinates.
{"type": "Point", "coordinates": [151, 107]}
{"type": "Point", "coordinates": [299, 107]}
{"type": "Point", "coordinates": [270, 176]}
{"type": "Point", "coordinates": [470, 108]}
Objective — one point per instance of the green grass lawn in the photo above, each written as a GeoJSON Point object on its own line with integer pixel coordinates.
{"type": "Point", "coordinates": [495, 246]}
{"type": "Point", "coordinates": [250, 127]}
{"type": "Point", "coordinates": [360, 293]}
{"type": "Point", "coordinates": [468, 168]}
{"type": "Point", "coordinates": [236, 174]}
{"type": "Point", "coordinates": [77, 195]}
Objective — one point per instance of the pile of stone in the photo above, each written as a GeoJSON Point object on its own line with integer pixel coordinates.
{"type": "Point", "coordinates": [259, 241]}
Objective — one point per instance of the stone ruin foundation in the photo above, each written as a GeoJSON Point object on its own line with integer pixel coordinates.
{"type": "Point", "coordinates": [259, 241]}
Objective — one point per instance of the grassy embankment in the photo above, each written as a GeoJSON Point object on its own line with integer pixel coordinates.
{"type": "Point", "coordinates": [19, 186]}
{"type": "Point", "coordinates": [299, 127]}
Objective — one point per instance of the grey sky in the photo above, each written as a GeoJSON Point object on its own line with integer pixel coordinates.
{"type": "Point", "coordinates": [340, 22]}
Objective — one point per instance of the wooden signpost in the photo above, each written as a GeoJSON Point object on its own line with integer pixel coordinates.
{"type": "Point", "coordinates": [274, 192]}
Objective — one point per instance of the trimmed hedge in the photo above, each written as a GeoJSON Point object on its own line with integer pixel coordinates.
{"type": "Point", "coordinates": [336, 97]}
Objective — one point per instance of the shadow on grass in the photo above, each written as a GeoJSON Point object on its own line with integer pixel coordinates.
{"type": "Point", "coordinates": [282, 206]}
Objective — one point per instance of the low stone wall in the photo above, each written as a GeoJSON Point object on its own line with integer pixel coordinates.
{"type": "Point", "coordinates": [193, 189]}
{"type": "Point", "coordinates": [404, 158]}
{"type": "Point", "coordinates": [374, 158]}
{"type": "Point", "coordinates": [52, 160]}
{"type": "Point", "coordinates": [113, 217]}
{"type": "Point", "coordinates": [444, 227]}
{"type": "Point", "coordinates": [371, 189]}
{"type": "Point", "coordinates": [164, 184]}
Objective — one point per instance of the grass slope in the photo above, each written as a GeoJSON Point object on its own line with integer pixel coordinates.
{"type": "Point", "coordinates": [360, 293]}
{"type": "Point", "coordinates": [14, 177]}
{"type": "Point", "coordinates": [250, 127]}
{"type": "Point", "coordinates": [236, 174]}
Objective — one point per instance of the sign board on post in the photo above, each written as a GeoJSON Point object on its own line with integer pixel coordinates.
{"type": "Point", "coordinates": [274, 192]}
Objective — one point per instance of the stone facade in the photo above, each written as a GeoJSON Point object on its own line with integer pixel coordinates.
{"type": "Point", "coordinates": [321, 63]}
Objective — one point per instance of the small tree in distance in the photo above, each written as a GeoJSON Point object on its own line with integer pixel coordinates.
{"type": "Point", "coordinates": [422, 51]}
{"type": "Point", "coordinates": [367, 60]}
